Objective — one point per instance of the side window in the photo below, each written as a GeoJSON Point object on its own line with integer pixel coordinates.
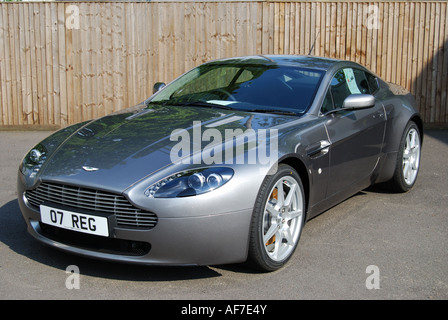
{"type": "Point", "coordinates": [366, 82]}
{"type": "Point", "coordinates": [342, 86]}
{"type": "Point", "coordinates": [327, 105]}
{"type": "Point", "coordinates": [373, 83]}
{"type": "Point", "coordinates": [361, 81]}
{"type": "Point", "coordinates": [345, 82]}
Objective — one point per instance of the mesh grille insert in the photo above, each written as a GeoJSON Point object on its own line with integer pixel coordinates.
{"type": "Point", "coordinates": [93, 200]}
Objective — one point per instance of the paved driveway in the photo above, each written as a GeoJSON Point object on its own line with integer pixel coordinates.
{"type": "Point", "coordinates": [397, 242]}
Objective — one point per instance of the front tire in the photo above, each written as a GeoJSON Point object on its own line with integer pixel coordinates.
{"type": "Point", "coordinates": [277, 220]}
{"type": "Point", "coordinates": [408, 160]}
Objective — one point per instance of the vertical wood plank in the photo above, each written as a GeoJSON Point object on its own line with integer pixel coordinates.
{"type": "Point", "coordinates": [378, 59]}
{"type": "Point", "coordinates": [69, 100]}
{"type": "Point", "coordinates": [410, 42]}
{"type": "Point", "coordinates": [318, 35]}
{"type": "Point", "coordinates": [420, 67]}
{"type": "Point", "coordinates": [4, 66]}
{"type": "Point", "coordinates": [55, 66]}
{"type": "Point", "coordinates": [62, 66]}
{"type": "Point", "coordinates": [27, 113]}
{"type": "Point", "coordinates": [435, 108]}
{"type": "Point", "coordinates": [415, 23]}
{"type": "Point", "coordinates": [426, 68]}
{"type": "Point", "coordinates": [444, 86]}
{"type": "Point", "coordinates": [399, 44]}
{"type": "Point", "coordinates": [15, 64]}
{"type": "Point", "coordinates": [33, 59]}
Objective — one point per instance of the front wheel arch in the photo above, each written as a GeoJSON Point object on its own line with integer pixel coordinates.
{"type": "Point", "coordinates": [419, 123]}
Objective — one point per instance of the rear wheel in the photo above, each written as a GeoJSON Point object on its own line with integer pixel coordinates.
{"type": "Point", "coordinates": [277, 220]}
{"type": "Point", "coordinates": [408, 160]}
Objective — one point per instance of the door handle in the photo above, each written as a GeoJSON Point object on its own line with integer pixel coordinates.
{"type": "Point", "coordinates": [318, 149]}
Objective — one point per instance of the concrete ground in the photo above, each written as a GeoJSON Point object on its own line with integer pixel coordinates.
{"type": "Point", "coordinates": [394, 242]}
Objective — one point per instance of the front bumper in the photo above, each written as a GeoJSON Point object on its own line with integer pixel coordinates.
{"type": "Point", "coordinates": [210, 239]}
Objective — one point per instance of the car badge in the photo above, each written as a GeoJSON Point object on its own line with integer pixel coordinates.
{"type": "Point", "coordinates": [90, 169]}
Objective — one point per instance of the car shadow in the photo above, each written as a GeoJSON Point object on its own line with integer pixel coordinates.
{"type": "Point", "coordinates": [438, 134]}
{"type": "Point", "coordinates": [13, 234]}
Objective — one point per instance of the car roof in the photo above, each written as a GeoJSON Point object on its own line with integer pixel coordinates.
{"type": "Point", "coordinates": [313, 62]}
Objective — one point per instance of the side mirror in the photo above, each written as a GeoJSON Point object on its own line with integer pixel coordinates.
{"type": "Point", "coordinates": [158, 86]}
{"type": "Point", "coordinates": [358, 101]}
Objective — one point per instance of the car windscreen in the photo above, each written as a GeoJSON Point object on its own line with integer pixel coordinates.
{"type": "Point", "coordinates": [247, 87]}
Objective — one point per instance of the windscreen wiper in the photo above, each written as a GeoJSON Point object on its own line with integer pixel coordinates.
{"type": "Point", "coordinates": [274, 111]}
{"type": "Point", "coordinates": [200, 103]}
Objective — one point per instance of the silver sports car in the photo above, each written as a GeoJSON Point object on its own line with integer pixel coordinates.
{"type": "Point", "coordinates": [223, 165]}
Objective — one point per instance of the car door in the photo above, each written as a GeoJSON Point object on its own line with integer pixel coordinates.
{"type": "Point", "coordinates": [356, 136]}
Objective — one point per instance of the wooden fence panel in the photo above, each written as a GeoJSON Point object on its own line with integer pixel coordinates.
{"type": "Point", "coordinates": [65, 62]}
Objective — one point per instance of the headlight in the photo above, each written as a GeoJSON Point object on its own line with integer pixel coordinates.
{"type": "Point", "coordinates": [190, 183]}
{"type": "Point", "coordinates": [33, 161]}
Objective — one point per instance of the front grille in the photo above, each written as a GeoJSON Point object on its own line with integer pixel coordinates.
{"type": "Point", "coordinates": [92, 200]}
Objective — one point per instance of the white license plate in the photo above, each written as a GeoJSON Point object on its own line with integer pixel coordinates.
{"type": "Point", "coordinates": [74, 221]}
